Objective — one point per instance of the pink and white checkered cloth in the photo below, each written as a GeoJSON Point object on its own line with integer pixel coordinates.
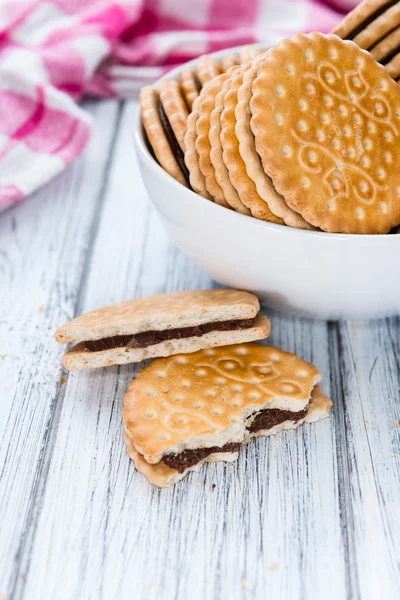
{"type": "Point", "coordinates": [54, 51]}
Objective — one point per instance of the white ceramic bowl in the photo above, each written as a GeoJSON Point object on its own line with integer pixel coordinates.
{"type": "Point", "coordinates": [316, 274]}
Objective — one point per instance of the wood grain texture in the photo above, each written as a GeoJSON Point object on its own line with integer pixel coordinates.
{"type": "Point", "coordinates": [370, 376]}
{"type": "Point", "coordinates": [43, 244]}
{"type": "Point", "coordinates": [309, 514]}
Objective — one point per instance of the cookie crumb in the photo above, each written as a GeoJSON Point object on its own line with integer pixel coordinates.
{"type": "Point", "coordinates": [22, 576]}
{"type": "Point", "coordinates": [273, 566]}
{"type": "Point", "coordinates": [41, 307]}
{"type": "Point", "coordinates": [63, 380]}
{"type": "Point", "coordinates": [397, 423]}
{"type": "Point", "coordinates": [213, 487]}
{"type": "Point", "coordinates": [3, 356]}
{"type": "Point", "coordinates": [245, 585]}
{"type": "Point", "coordinates": [200, 485]}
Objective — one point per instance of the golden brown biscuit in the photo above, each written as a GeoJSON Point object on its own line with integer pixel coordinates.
{"type": "Point", "coordinates": [190, 86]}
{"type": "Point", "coordinates": [196, 177]}
{"type": "Point", "coordinates": [161, 325]}
{"type": "Point", "coordinates": [221, 172]}
{"type": "Point", "coordinates": [163, 476]}
{"type": "Point", "coordinates": [149, 106]}
{"type": "Point", "coordinates": [329, 144]}
{"type": "Point", "coordinates": [228, 61]}
{"type": "Point", "coordinates": [207, 68]}
{"type": "Point", "coordinates": [189, 409]}
{"type": "Point", "coordinates": [79, 357]}
{"type": "Point", "coordinates": [203, 147]}
{"type": "Point", "coordinates": [384, 49]}
{"type": "Point", "coordinates": [208, 398]}
{"type": "Point", "coordinates": [244, 186]}
{"type": "Point", "coordinates": [249, 52]}
{"type": "Point", "coordinates": [248, 153]}
{"type": "Point", "coordinates": [318, 409]}
{"type": "Point", "coordinates": [175, 108]}
{"type": "Point", "coordinates": [379, 28]}
{"type": "Point", "coordinates": [359, 18]}
{"type": "Point", "coordinates": [393, 67]}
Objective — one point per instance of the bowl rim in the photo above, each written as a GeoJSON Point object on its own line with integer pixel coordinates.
{"type": "Point", "coordinates": [159, 172]}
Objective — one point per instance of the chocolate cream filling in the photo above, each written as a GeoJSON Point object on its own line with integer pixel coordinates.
{"type": "Point", "coordinates": [265, 419]}
{"type": "Point", "coordinates": [364, 24]}
{"type": "Point", "coordinates": [149, 338]}
{"type": "Point", "coordinates": [173, 142]}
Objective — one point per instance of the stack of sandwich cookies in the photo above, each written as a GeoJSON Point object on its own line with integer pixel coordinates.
{"type": "Point", "coordinates": [229, 142]}
{"type": "Point", "coordinates": [189, 409]}
{"type": "Point", "coordinates": [165, 110]}
{"type": "Point", "coordinates": [162, 138]}
{"type": "Point", "coordinates": [303, 134]}
{"type": "Point", "coordinates": [162, 325]}
{"type": "Point", "coordinates": [375, 26]}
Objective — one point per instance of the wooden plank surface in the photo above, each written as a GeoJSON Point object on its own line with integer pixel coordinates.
{"type": "Point", "coordinates": [43, 245]}
{"type": "Point", "coordinates": [309, 514]}
{"type": "Point", "coordinates": [370, 355]}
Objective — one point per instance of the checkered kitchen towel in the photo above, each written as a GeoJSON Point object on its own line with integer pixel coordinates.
{"type": "Point", "coordinates": [54, 51]}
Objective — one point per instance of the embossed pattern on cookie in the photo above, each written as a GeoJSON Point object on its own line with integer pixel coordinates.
{"type": "Point", "coordinates": [188, 401]}
{"type": "Point", "coordinates": [329, 144]}
{"type": "Point", "coordinates": [248, 153]}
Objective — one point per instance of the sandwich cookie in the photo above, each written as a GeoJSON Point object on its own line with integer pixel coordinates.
{"type": "Point", "coordinates": [247, 149]}
{"type": "Point", "coordinates": [325, 118]}
{"type": "Point", "coordinates": [161, 136]}
{"type": "Point", "coordinates": [385, 50]}
{"type": "Point", "coordinates": [374, 25]}
{"type": "Point", "coordinates": [249, 52]}
{"type": "Point", "coordinates": [379, 28]}
{"type": "Point", "coordinates": [228, 61]}
{"type": "Point", "coordinates": [207, 68]}
{"type": "Point", "coordinates": [175, 109]}
{"type": "Point", "coordinates": [361, 17]}
{"type": "Point", "coordinates": [244, 186]}
{"type": "Point", "coordinates": [188, 409]}
{"type": "Point", "coordinates": [221, 172]}
{"type": "Point", "coordinates": [196, 177]}
{"type": "Point", "coordinates": [203, 147]}
{"type": "Point", "coordinates": [393, 67]}
{"type": "Point", "coordinates": [192, 79]}
{"type": "Point", "coordinates": [190, 86]}
{"type": "Point", "coordinates": [162, 325]}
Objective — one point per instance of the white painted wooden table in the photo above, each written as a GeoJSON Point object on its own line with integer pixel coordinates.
{"type": "Point", "coordinates": [310, 514]}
